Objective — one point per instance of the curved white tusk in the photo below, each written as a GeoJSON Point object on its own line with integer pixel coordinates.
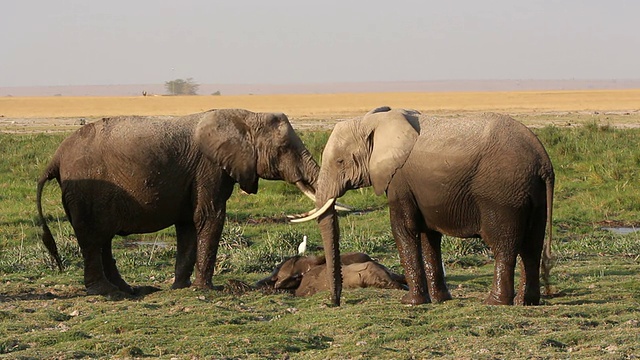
{"type": "Point", "coordinates": [343, 207]}
{"type": "Point", "coordinates": [311, 195]}
{"type": "Point", "coordinates": [305, 214]}
{"type": "Point", "coordinates": [317, 213]}
{"type": "Point", "coordinates": [340, 207]}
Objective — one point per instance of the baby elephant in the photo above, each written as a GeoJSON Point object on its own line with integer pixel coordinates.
{"type": "Point", "coordinates": [306, 275]}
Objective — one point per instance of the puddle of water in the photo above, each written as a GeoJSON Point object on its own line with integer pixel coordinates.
{"type": "Point", "coordinates": [621, 230]}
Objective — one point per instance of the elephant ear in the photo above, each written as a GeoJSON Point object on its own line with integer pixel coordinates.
{"type": "Point", "coordinates": [378, 110]}
{"type": "Point", "coordinates": [392, 138]}
{"type": "Point", "coordinates": [225, 139]}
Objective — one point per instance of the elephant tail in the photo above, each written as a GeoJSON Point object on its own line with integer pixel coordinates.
{"type": "Point", "coordinates": [52, 172]}
{"type": "Point", "coordinates": [547, 258]}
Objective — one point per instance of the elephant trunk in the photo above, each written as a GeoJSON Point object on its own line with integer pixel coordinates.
{"type": "Point", "coordinates": [327, 193]}
{"type": "Point", "coordinates": [327, 217]}
{"type": "Point", "coordinates": [310, 170]}
{"type": "Point", "coordinates": [330, 231]}
{"type": "Point", "coordinates": [305, 176]}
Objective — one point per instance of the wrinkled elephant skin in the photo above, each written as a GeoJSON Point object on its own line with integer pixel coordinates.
{"type": "Point", "coordinates": [132, 175]}
{"type": "Point", "coordinates": [306, 275]}
{"type": "Point", "coordinates": [484, 176]}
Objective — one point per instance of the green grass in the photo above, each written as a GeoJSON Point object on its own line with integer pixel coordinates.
{"type": "Point", "coordinates": [594, 312]}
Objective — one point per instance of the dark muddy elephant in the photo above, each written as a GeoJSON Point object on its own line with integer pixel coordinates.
{"type": "Point", "coordinates": [306, 275]}
{"type": "Point", "coordinates": [131, 175]}
{"type": "Point", "coordinates": [482, 176]}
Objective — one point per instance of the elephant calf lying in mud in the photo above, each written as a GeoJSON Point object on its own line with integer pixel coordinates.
{"type": "Point", "coordinates": [306, 275]}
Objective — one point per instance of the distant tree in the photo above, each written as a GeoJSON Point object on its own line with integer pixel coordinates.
{"type": "Point", "coordinates": [217, 93]}
{"type": "Point", "coordinates": [182, 87]}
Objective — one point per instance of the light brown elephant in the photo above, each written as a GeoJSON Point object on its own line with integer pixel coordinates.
{"type": "Point", "coordinates": [482, 176]}
{"type": "Point", "coordinates": [306, 275]}
{"type": "Point", "coordinates": [357, 275]}
{"type": "Point", "coordinates": [131, 175]}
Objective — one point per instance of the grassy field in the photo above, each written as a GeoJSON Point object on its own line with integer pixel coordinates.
{"type": "Point", "coordinates": [594, 311]}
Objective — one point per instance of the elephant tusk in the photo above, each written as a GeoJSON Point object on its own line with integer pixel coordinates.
{"type": "Point", "coordinates": [343, 207]}
{"type": "Point", "coordinates": [340, 207]}
{"type": "Point", "coordinates": [305, 214]}
{"type": "Point", "coordinates": [316, 213]}
{"type": "Point", "coordinates": [304, 188]}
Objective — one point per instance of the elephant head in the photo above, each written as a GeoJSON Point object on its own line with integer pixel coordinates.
{"type": "Point", "coordinates": [256, 145]}
{"type": "Point", "coordinates": [288, 274]}
{"type": "Point", "coordinates": [360, 152]}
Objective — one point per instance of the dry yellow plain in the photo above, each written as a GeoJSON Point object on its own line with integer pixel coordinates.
{"type": "Point", "coordinates": [324, 106]}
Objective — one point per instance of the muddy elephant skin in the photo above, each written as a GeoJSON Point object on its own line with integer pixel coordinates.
{"type": "Point", "coordinates": [306, 275]}
{"type": "Point", "coordinates": [132, 175]}
{"type": "Point", "coordinates": [483, 175]}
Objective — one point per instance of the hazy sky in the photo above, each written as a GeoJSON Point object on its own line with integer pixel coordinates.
{"type": "Point", "coordinates": [82, 42]}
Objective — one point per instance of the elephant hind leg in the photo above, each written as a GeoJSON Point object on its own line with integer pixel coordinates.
{"type": "Point", "coordinates": [503, 230]}
{"type": "Point", "coordinates": [95, 280]}
{"type": "Point", "coordinates": [502, 291]}
{"type": "Point", "coordinates": [529, 289]}
{"type": "Point", "coordinates": [111, 271]}
{"type": "Point", "coordinates": [531, 253]}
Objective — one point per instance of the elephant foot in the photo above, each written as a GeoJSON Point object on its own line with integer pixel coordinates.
{"type": "Point", "coordinates": [440, 296]}
{"type": "Point", "coordinates": [527, 300]}
{"type": "Point", "coordinates": [181, 284]}
{"type": "Point", "coordinates": [102, 288]}
{"type": "Point", "coordinates": [498, 300]}
{"type": "Point", "coordinates": [144, 290]}
{"type": "Point", "coordinates": [415, 299]}
{"type": "Point", "coordinates": [124, 287]}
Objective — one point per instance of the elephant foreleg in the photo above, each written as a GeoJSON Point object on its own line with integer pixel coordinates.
{"type": "Point", "coordinates": [209, 232]}
{"type": "Point", "coordinates": [405, 232]}
{"type": "Point", "coordinates": [185, 255]}
{"type": "Point", "coordinates": [432, 256]}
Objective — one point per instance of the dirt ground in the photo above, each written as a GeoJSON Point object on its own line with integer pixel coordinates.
{"type": "Point", "coordinates": [618, 108]}
{"type": "Point", "coordinates": [624, 119]}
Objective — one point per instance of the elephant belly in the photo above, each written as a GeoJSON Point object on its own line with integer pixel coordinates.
{"type": "Point", "coordinates": [446, 203]}
{"type": "Point", "coordinates": [151, 217]}
{"type": "Point", "coordinates": [451, 221]}
{"type": "Point", "coordinates": [109, 207]}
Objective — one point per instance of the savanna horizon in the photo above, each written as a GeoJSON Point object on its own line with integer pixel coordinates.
{"type": "Point", "coordinates": [329, 106]}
